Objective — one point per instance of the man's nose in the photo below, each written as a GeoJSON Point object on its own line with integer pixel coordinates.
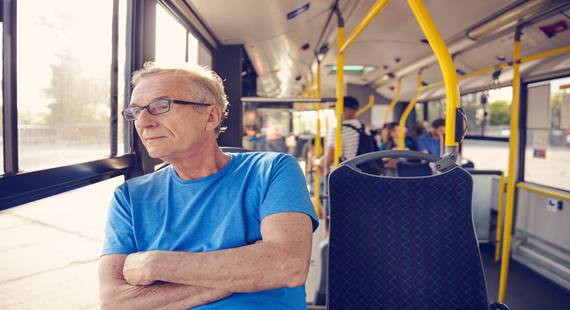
{"type": "Point", "coordinates": [145, 120]}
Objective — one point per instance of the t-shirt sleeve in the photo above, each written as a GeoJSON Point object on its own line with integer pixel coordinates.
{"type": "Point", "coordinates": [119, 234]}
{"type": "Point", "coordinates": [287, 191]}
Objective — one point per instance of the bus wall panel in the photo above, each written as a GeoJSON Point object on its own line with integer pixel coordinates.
{"type": "Point", "coordinates": [533, 218]}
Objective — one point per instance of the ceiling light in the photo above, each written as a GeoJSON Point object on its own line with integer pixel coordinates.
{"type": "Point", "coordinates": [354, 69]}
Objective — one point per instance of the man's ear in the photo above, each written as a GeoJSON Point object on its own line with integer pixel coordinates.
{"type": "Point", "coordinates": [214, 117]}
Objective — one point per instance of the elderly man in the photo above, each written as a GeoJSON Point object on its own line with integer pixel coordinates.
{"type": "Point", "coordinates": [216, 230]}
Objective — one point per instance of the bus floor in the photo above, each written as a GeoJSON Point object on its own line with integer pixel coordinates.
{"type": "Point", "coordinates": [526, 290]}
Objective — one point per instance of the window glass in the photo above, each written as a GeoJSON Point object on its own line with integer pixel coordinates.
{"type": "Point", "coordinates": [547, 150]}
{"type": "Point", "coordinates": [419, 109]}
{"type": "Point", "coordinates": [170, 38]}
{"type": "Point", "coordinates": [498, 107]}
{"type": "Point", "coordinates": [64, 98]}
{"type": "Point", "coordinates": [1, 110]}
{"type": "Point", "coordinates": [486, 155]}
{"type": "Point", "coordinates": [52, 247]}
{"type": "Point", "coordinates": [436, 109]}
{"type": "Point", "coordinates": [192, 49]}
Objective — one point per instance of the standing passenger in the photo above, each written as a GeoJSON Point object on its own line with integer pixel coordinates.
{"type": "Point", "coordinates": [431, 142]}
{"type": "Point", "coordinates": [214, 230]}
{"type": "Point", "coordinates": [350, 137]}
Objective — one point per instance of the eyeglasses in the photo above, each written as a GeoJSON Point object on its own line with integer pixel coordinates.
{"type": "Point", "coordinates": [160, 106]}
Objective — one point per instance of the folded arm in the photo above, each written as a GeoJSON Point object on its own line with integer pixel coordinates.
{"type": "Point", "coordinates": [116, 293]}
{"type": "Point", "coordinates": [281, 260]}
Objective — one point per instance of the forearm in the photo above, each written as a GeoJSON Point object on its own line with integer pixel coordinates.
{"type": "Point", "coordinates": [116, 293]}
{"type": "Point", "coordinates": [231, 269]}
{"type": "Point", "coordinates": [281, 260]}
{"type": "Point", "coordinates": [159, 295]}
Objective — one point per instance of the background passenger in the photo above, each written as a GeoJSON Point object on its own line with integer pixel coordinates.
{"type": "Point", "coordinates": [418, 129]}
{"type": "Point", "coordinates": [431, 142]}
{"type": "Point", "coordinates": [392, 138]}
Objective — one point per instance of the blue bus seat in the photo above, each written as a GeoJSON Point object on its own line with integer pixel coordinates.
{"type": "Point", "coordinates": [404, 169]}
{"type": "Point", "coordinates": [398, 243]}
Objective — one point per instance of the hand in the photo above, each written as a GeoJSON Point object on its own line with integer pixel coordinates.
{"type": "Point", "coordinates": [391, 163]}
{"type": "Point", "coordinates": [135, 269]}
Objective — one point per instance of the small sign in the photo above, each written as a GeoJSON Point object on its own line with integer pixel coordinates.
{"type": "Point", "coordinates": [298, 11]}
{"type": "Point", "coordinates": [540, 153]}
{"type": "Point", "coordinates": [552, 205]}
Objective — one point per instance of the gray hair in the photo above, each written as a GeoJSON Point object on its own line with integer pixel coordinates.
{"type": "Point", "coordinates": [203, 84]}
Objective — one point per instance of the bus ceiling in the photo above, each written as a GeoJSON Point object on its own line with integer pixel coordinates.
{"type": "Point", "coordinates": [286, 39]}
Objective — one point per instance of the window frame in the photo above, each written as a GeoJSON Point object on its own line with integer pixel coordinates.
{"type": "Point", "coordinates": [521, 143]}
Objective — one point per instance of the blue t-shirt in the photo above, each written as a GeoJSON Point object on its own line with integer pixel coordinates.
{"type": "Point", "coordinates": [160, 211]}
{"type": "Point", "coordinates": [427, 143]}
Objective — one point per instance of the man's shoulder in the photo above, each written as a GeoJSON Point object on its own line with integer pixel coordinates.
{"type": "Point", "coordinates": [262, 160]}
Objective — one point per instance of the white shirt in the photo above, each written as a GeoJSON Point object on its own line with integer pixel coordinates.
{"type": "Point", "coordinates": [350, 138]}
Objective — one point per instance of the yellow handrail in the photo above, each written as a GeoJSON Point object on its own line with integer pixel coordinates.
{"type": "Point", "coordinates": [366, 107]}
{"type": "Point", "coordinates": [394, 101]}
{"type": "Point", "coordinates": [446, 64]}
{"type": "Point", "coordinates": [500, 217]}
{"type": "Point", "coordinates": [545, 191]}
{"type": "Point", "coordinates": [504, 65]}
{"type": "Point", "coordinates": [339, 99]}
{"type": "Point", "coordinates": [512, 162]}
{"type": "Point", "coordinates": [378, 6]}
{"type": "Point", "coordinates": [406, 113]}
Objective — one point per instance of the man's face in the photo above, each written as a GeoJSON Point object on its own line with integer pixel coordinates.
{"type": "Point", "coordinates": [176, 134]}
{"type": "Point", "coordinates": [439, 132]}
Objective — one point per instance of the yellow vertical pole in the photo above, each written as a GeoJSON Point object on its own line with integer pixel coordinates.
{"type": "Point", "coordinates": [447, 68]}
{"type": "Point", "coordinates": [339, 99]}
{"type": "Point", "coordinates": [500, 217]}
{"type": "Point", "coordinates": [512, 162]}
{"type": "Point", "coordinates": [407, 111]}
{"type": "Point", "coordinates": [394, 101]}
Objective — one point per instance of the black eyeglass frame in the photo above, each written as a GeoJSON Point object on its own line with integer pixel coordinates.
{"type": "Point", "coordinates": [170, 102]}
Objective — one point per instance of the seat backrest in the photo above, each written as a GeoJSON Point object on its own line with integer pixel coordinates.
{"type": "Point", "coordinates": [399, 243]}
{"type": "Point", "coordinates": [404, 169]}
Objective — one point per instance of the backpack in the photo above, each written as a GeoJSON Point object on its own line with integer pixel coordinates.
{"type": "Point", "coordinates": [367, 144]}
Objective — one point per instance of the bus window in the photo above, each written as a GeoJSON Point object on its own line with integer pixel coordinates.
{"type": "Point", "coordinates": [488, 113]}
{"type": "Point", "coordinates": [498, 108]}
{"type": "Point", "coordinates": [419, 109]}
{"type": "Point", "coordinates": [547, 149]}
{"type": "Point", "coordinates": [193, 50]}
{"type": "Point", "coordinates": [1, 114]}
{"type": "Point", "coordinates": [486, 155]}
{"type": "Point", "coordinates": [170, 38]}
{"type": "Point", "coordinates": [64, 98]}
{"type": "Point", "coordinates": [436, 109]}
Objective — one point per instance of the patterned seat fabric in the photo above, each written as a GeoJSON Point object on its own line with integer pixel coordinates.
{"type": "Point", "coordinates": [403, 243]}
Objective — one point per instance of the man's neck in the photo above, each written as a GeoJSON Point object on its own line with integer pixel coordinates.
{"type": "Point", "coordinates": [434, 135]}
{"type": "Point", "coordinates": [207, 162]}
